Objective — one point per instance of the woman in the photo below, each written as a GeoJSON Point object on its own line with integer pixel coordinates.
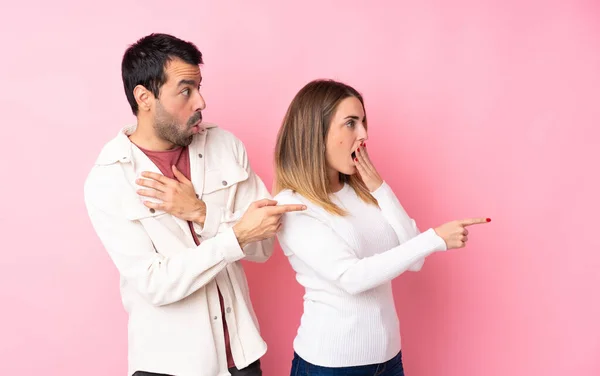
{"type": "Point", "coordinates": [353, 239]}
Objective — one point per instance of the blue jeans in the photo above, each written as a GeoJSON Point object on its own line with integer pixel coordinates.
{"type": "Point", "coordinates": [392, 367]}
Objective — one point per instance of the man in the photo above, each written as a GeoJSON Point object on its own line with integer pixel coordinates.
{"type": "Point", "coordinates": [177, 206]}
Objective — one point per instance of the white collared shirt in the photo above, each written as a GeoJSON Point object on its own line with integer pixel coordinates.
{"type": "Point", "coordinates": [168, 284]}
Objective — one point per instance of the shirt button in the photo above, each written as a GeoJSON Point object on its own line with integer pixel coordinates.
{"type": "Point", "coordinates": [228, 309]}
{"type": "Point", "coordinates": [215, 317]}
{"type": "Point", "coordinates": [152, 210]}
{"type": "Point", "coordinates": [200, 155]}
{"type": "Point", "coordinates": [224, 182]}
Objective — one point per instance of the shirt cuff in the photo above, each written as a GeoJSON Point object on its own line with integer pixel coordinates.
{"type": "Point", "coordinates": [437, 242]}
{"type": "Point", "coordinates": [230, 246]}
{"type": "Point", "coordinates": [384, 189]}
{"type": "Point", "coordinates": [211, 222]}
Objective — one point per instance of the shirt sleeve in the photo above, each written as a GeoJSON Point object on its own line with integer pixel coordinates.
{"type": "Point", "coordinates": [248, 191]}
{"type": "Point", "coordinates": [159, 279]}
{"type": "Point", "coordinates": [404, 226]}
{"type": "Point", "coordinates": [306, 236]}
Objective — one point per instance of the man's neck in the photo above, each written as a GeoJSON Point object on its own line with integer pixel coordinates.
{"type": "Point", "coordinates": [145, 137]}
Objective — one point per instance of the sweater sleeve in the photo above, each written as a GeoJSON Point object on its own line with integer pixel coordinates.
{"type": "Point", "coordinates": [404, 226]}
{"type": "Point", "coordinates": [307, 236]}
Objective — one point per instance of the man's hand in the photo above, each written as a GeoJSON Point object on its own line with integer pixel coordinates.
{"type": "Point", "coordinates": [178, 196]}
{"type": "Point", "coordinates": [261, 221]}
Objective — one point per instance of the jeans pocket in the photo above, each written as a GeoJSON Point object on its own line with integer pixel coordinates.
{"type": "Point", "coordinates": [394, 367]}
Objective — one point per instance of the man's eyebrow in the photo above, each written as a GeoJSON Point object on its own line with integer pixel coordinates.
{"type": "Point", "coordinates": [186, 82]}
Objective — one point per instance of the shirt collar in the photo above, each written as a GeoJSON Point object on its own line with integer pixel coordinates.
{"type": "Point", "coordinates": [119, 148]}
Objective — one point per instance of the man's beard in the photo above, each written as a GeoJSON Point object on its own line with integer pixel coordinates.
{"type": "Point", "coordinates": [167, 128]}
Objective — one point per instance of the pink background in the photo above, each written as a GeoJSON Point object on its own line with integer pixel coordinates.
{"type": "Point", "coordinates": [477, 108]}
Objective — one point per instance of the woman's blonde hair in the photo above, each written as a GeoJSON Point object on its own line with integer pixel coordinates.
{"type": "Point", "coordinates": [300, 162]}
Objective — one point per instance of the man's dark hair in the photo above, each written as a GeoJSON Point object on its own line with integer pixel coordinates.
{"type": "Point", "coordinates": [144, 63]}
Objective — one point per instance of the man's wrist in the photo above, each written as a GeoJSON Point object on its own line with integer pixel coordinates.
{"type": "Point", "coordinates": [200, 213]}
{"type": "Point", "coordinates": [240, 234]}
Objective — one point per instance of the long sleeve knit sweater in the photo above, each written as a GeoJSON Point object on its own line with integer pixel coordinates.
{"type": "Point", "coordinates": [346, 265]}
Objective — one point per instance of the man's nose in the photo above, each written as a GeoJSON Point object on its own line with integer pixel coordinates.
{"type": "Point", "coordinates": [199, 103]}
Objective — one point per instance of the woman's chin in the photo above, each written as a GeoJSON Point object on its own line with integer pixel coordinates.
{"type": "Point", "coordinates": [350, 171]}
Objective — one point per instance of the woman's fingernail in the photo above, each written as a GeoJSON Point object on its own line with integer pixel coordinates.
{"type": "Point", "coordinates": [358, 150]}
{"type": "Point", "coordinates": [355, 159]}
{"type": "Point", "coordinates": [488, 219]}
{"type": "Point", "coordinates": [364, 144]}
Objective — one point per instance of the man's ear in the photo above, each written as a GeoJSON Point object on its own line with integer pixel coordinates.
{"type": "Point", "coordinates": [143, 97]}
